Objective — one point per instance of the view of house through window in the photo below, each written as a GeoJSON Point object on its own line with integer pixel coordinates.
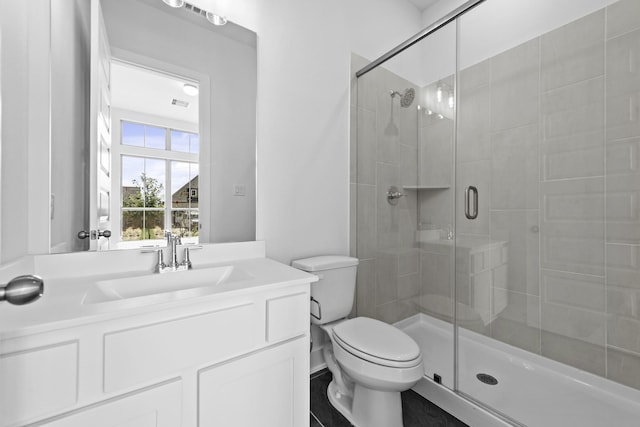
{"type": "Point", "coordinates": [158, 164]}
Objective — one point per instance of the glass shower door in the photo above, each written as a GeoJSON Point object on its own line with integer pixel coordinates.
{"type": "Point", "coordinates": [547, 133]}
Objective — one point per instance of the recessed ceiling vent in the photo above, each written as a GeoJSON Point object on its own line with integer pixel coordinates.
{"type": "Point", "coordinates": [179, 103]}
{"type": "Point", "coordinates": [195, 9]}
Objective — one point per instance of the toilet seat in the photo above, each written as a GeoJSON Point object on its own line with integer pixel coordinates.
{"type": "Point", "coordinates": [377, 342]}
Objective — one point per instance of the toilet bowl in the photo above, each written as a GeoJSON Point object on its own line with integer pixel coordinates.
{"type": "Point", "coordinates": [371, 361]}
{"type": "Point", "coordinates": [376, 362]}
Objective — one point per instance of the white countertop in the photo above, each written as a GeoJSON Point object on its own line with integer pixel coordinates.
{"type": "Point", "coordinates": [61, 305]}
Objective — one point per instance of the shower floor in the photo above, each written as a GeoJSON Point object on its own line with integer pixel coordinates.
{"type": "Point", "coordinates": [535, 391]}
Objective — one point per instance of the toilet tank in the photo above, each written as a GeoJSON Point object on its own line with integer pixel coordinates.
{"type": "Point", "coordinates": [332, 295]}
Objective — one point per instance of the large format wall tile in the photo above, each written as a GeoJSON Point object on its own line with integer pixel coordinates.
{"type": "Point", "coordinates": [575, 156]}
{"type": "Point", "coordinates": [514, 168]}
{"type": "Point", "coordinates": [623, 366]}
{"type": "Point", "coordinates": [436, 152]}
{"type": "Point", "coordinates": [386, 277]}
{"type": "Point", "coordinates": [623, 86]}
{"type": "Point", "coordinates": [623, 209]}
{"type": "Point", "coordinates": [622, 17]}
{"type": "Point", "coordinates": [366, 147]}
{"type": "Point", "coordinates": [573, 290]}
{"type": "Point", "coordinates": [573, 110]}
{"type": "Point", "coordinates": [572, 351]}
{"type": "Point", "coordinates": [435, 278]}
{"type": "Point", "coordinates": [623, 156]}
{"type": "Point", "coordinates": [366, 221]}
{"type": "Point", "coordinates": [573, 52]}
{"type": "Point", "coordinates": [519, 229]}
{"type": "Point", "coordinates": [366, 288]}
{"type": "Point", "coordinates": [474, 114]}
{"type": "Point", "coordinates": [623, 265]}
{"type": "Point", "coordinates": [519, 323]}
{"type": "Point", "coordinates": [572, 225]}
{"type": "Point", "coordinates": [622, 332]}
{"type": "Point", "coordinates": [574, 323]}
{"type": "Point", "coordinates": [515, 86]}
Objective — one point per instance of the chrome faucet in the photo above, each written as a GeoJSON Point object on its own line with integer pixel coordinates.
{"type": "Point", "coordinates": [173, 241]}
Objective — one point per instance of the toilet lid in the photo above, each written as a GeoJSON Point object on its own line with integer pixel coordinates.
{"type": "Point", "coordinates": [377, 342]}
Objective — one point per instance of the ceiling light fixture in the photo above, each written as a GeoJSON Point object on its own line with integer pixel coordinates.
{"type": "Point", "coordinates": [216, 19]}
{"type": "Point", "coordinates": [174, 3]}
{"type": "Point", "coordinates": [190, 89]}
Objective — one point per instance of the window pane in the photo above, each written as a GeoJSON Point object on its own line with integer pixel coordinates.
{"type": "Point", "coordinates": [143, 182]}
{"type": "Point", "coordinates": [155, 137]}
{"type": "Point", "coordinates": [132, 134]}
{"type": "Point", "coordinates": [185, 142]}
{"type": "Point", "coordinates": [132, 170]}
{"type": "Point", "coordinates": [184, 223]}
{"type": "Point", "coordinates": [179, 141]}
{"type": "Point", "coordinates": [142, 225]}
{"type": "Point", "coordinates": [194, 146]}
{"type": "Point", "coordinates": [184, 185]}
{"type": "Point", "coordinates": [154, 182]}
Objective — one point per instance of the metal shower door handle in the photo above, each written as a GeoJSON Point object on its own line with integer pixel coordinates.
{"type": "Point", "coordinates": [469, 193]}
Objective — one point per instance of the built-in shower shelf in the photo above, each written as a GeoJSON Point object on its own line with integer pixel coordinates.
{"type": "Point", "coordinates": [426, 187]}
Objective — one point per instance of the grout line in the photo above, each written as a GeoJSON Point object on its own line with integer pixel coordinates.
{"type": "Point", "coordinates": [605, 194]}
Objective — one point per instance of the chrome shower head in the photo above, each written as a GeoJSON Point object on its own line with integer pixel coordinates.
{"type": "Point", "coordinates": [406, 98]}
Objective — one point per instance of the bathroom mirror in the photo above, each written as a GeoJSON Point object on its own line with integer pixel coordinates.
{"type": "Point", "coordinates": [179, 43]}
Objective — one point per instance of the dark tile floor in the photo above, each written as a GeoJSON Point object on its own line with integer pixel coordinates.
{"type": "Point", "coordinates": [416, 411]}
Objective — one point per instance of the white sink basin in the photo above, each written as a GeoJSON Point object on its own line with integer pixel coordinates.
{"type": "Point", "coordinates": [161, 287]}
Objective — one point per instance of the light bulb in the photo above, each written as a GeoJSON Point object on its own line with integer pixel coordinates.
{"type": "Point", "coordinates": [439, 94]}
{"type": "Point", "coordinates": [216, 19]}
{"type": "Point", "coordinates": [174, 3]}
{"type": "Point", "coordinates": [190, 89]}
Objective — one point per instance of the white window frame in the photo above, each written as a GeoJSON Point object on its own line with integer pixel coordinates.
{"type": "Point", "coordinates": [118, 150]}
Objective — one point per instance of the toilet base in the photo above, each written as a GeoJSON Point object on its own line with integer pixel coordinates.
{"type": "Point", "coordinates": [368, 408]}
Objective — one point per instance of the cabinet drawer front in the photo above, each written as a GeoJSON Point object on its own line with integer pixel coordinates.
{"type": "Point", "coordinates": [287, 317]}
{"type": "Point", "coordinates": [38, 382]}
{"type": "Point", "coordinates": [150, 352]}
{"type": "Point", "coordinates": [158, 406]}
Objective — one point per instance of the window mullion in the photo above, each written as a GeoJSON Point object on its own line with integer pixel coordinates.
{"type": "Point", "coordinates": [167, 197]}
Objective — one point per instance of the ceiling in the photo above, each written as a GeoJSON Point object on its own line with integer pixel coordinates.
{"type": "Point", "coordinates": [423, 4]}
{"type": "Point", "coordinates": [150, 92]}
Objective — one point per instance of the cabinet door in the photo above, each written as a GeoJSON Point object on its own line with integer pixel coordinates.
{"type": "Point", "coordinates": [159, 406]}
{"type": "Point", "coordinates": [268, 389]}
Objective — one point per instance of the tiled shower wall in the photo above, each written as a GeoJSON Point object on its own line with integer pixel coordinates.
{"type": "Point", "coordinates": [549, 132]}
{"type": "Point", "coordinates": [558, 117]}
{"type": "Point", "coordinates": [384, 154]}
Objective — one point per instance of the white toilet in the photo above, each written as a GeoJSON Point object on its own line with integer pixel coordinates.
{"type": "Point", "coordinates": [371, 361]}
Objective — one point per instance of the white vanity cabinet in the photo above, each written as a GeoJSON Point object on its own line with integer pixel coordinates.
{"type": "Point", "coordinates": [262, 389]}
{"type": "Point", "coordinates": [238, 360]}
{"type": "Point", "coordinates": [157, 406]}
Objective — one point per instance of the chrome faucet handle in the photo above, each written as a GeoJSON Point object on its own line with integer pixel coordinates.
{"type": "Point", "coordinates": [186, 260]}
{"type": "Point", "coordinates": [160, 257]}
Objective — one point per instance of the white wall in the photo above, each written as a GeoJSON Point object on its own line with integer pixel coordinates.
{"type": "Point", "coordinates": [25, 128]}
{"type": "Point", "coordinates": [303, 111]}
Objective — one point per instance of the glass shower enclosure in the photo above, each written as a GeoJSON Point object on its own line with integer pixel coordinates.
{"type": "Point", "coordinates": [495, 208]}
